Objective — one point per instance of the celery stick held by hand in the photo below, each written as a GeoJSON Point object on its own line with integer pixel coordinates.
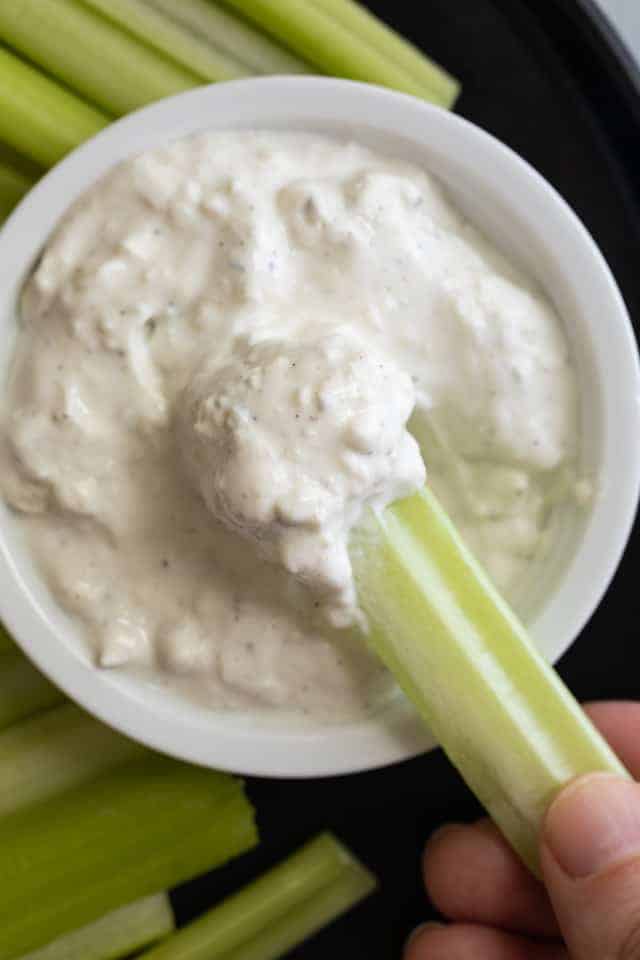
{"type": "Point", "coordinates": [499, 711]}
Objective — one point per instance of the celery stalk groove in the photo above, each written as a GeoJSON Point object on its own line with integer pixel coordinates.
{"type": "Point", "coordinates": [56, 751]}
{"type": "Point", "coordinates": [254, 909]}
{"type": "Point", "coordinates": [500, 712]}
{"type": "Point", "coordinates": [232, 35]}
{"type": "Point", "coordinates": [38, 117]}
{"type": "Point", "coordinates": [139, 830]}
{"type": "Point", "coordinates": [356, 18]}
{"type": "Point", "coordinates": [102, 63]}
{"type": "Point", "coordinates": [23, 689]}
{"type": "Point", "coordinates": [170, 38]}
{"type": "Point", "coordinates": [315, 883]}
{"type": "Point", "coordinates": [306, 29]}
{"type": "Point", "coordinates": [309, 917]}
{"type": "Point", "coordinates": [118, 934]}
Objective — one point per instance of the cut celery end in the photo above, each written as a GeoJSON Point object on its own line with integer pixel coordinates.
{"type": "Point", "coordinates": [171, 38]}
{"type": "Point", "coordinates": [500, 712]}
{"type": "Point", "coordinates": [251, 912]}
{"type": "Point", "coordinates": [316, 37]}
{"type": "Point", "coordinates": [56, 751]}
{"type": "Point", "coordinates": [13, 186]}
{"type": "Point", "coordinates": [356, 18]}
{"type": "Point", "coordinates": [136, 831]}
{"type": "Point", "coordinates": [234, 36]}
{"type": "Point", "coordinates": [104, 64]}
{"type": "Point", "coordinates": [23, 689]}
{"type": "Point", "coordinates": [38, 117]}
{"type": "Point", "coordinates": [117, 935]}
{"type": "Point", "coordinates": [353, 885]}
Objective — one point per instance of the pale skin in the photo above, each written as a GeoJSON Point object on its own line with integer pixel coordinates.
{"type": "Point", "coordinates": [494, 909]}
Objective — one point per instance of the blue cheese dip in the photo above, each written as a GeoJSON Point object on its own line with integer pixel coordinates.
{"type": "Point", "coordinates": [230, 349]}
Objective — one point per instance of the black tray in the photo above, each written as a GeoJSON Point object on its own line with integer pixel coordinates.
{"type": "Point", "coordinates": [553, 81]}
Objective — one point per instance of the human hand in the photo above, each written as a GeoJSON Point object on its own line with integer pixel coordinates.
{"type": "Point", "coordinates": [589, 905]}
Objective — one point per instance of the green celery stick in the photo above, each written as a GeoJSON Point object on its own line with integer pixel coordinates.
{"type": "Point", "coordinates": [140, 829]}
{"type": "Point", "coordinates": [309, 32]}
{"type": "Point", "coordinates": [234, 36]}
{"type": "Point", "coordinates": [13, 186]}
{"type": "Point", "coordinates": [500, 712]}
{"type": "Point", "coordinates": [23, 689]}
{"type": "Point", "coordinates": [277, 894]}
{"type": "Point", "coordinates": [38, 117]}
{"type": "Point", "coordinates": [308, 918]}
{"type": "Point", "coordinates": [17, 161]}
{"type": "Point", "coordinates": [95, 58]}
{"type": "Point", "coordinates": [55, 751]}
{"type": "Point", "coordinates": [171, 38]}
{"type": "Point", "coordinates": [117, 935]}
{"type": "Point", "coordinates": [389, 44]}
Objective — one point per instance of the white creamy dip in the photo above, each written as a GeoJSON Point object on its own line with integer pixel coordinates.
{"type": "Point", "coordinates": [226, 353]}
{"type": "Point", "coordinates": [289, 441]}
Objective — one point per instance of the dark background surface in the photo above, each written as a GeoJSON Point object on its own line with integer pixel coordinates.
{"type": "Point", "coordinates": [551, 80]}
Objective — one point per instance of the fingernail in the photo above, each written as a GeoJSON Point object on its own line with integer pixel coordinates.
{"type": "Point", "coordinates": [594, 824]}
{"type": "Point", "coordinates": [420, 929]}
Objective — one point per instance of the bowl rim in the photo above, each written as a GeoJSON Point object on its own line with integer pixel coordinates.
{"type": "Point", "coordinates": [370, 743]}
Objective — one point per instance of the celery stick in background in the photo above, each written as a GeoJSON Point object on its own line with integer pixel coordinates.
{"type": "Point", "coordinates": [18, 162]}
{"type": "Point", "coordinates": [321, 909]}
{"type": "Point", "coordinates": [307, 30]}
{"type": "Point", "coordinates": [138, 830]}
{"type": "Point", "coordinates": [117, 935]}
{"type": "Point", "coordinates": [43, 121]}
{"type": "Point", "coordinates": [102, 63]}
{"type": "Point", "coordinates": [170, 37]}
{"type": "Point", "coordinates": [500, 712]}
{"type": "Point", "coordinates": [278, 910]}
{"type": "Point", "coordinates": [356, 18]}
{"type": "Point", "coordinates": [56, 751]}
{"type": "Point", "coordinates": [234, 36]}
{"type": "Point", "coordinates": [23, 689]}
{"type": "Point", "coordinates": [13, 186]}
{"type": "Point", "coordinates": [38, 117]}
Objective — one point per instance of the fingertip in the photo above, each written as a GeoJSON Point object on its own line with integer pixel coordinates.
{"type": "Point", "coordinates": [421, 940]}
{"type": "Point", "coordinates": [447, 856]}
{"type": "Point", "coordinates": [472, 875]}
{"type": "Point", "coordinates": [438, 837]}
{"type": "Point", "coordinates": [461, 941]}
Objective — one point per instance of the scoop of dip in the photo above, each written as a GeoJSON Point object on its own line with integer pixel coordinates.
{"type": "Point", "coordinates": [288, 442]}
{"type": "Point", "coordinates": [230, 349]}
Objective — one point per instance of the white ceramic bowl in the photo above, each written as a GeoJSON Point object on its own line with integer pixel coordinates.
{"type": "Point", "coordinates": [527, 218]}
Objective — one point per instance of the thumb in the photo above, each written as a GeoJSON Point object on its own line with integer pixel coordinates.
{"type": "Point", "coordinates": [590, 858]}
